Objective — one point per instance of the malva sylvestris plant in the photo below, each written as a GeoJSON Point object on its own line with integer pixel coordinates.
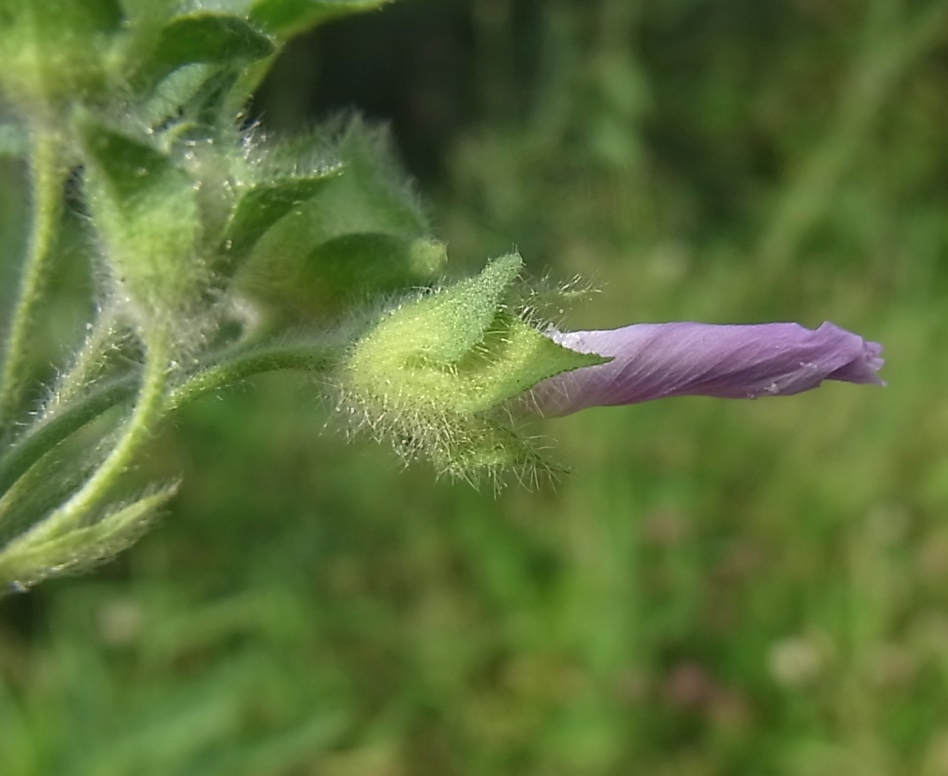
{"type": "Point", "coordinates": [221, 253]}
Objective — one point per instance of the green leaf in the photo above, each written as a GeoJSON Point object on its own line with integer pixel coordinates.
{"type": "Point", "coordinates": [292, 17]}
{"type": "Point", "coordinates": [164, 103]}
{"type": "Point", "coordinates": [24, 563]}
{"type": "Point", "coordinates": [260, 206]}
{"type": "Point", "coordinates": [146, 209]}
{"type": "Point", "coordinates": [369, 195]}
{"type": "Point", "coordinates": [207, 38]}
{"type": "Point", "coordinates": [199, 96]}
{"type": "Point", "coordinates": [132, 168]}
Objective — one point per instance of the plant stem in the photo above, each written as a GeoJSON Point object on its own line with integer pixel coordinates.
{"type": "Point", "coordinates": [48, 173]}
{"type": "Point", "coordinates": [51, 431]}
{"type": "Point", "coordinates": [46, 434]}
{"type": "Point", "coordinates": [88, 363]}
{"type": "Point", "coordinates": [303, 356]}
{"type": "Point", "coordinates": [148, 410]}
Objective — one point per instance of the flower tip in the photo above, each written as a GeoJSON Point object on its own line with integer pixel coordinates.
{"type": "Point", "coordinates": [864, 367]}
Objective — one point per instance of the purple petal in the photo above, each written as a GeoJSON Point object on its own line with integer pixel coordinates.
{"type": "Point", "coordinates": [657, 360]}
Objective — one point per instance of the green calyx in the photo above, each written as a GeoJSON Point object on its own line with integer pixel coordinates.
{"type": "Point", "coordinates": [437, 371]}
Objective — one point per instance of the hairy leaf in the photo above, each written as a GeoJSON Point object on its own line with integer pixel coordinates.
{"type": "Point", "coordinates": [260, 206]}
{"type": "Point", "coordinates": [207, 38]}
{"type": "Point", "coordinates": [292, 17]}
{"type": "Point", "coordinates": [146, 209]}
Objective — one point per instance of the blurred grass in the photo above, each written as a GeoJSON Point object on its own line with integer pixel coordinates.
{"type": "Point", "coordinates": [718, 588]}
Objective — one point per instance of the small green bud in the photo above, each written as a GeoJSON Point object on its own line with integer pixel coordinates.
{"type": "Point", "coordinates": [352, 267]}
{"type": "Point", "coordinates": [437, 371]}
{"type": "Point", "coordinates": [350, 229]}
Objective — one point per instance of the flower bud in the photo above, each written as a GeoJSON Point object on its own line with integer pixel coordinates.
{"type": "Point", "coordinates": [352, 267]}
{"type": "Point", "coordinates": [660, 360]}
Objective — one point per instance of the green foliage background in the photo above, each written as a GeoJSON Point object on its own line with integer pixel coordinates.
{"type": "Point", "coordinates": [718, 588]}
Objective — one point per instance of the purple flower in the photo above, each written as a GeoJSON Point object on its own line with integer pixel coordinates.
{"type": "Point", "coordinates": [657, 360]}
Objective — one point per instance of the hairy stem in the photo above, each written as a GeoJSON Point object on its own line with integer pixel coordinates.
{"type": "Point", "coordinates": [48, 173]}
{"type": "Point", "coordinates": [148, 410]}
{"type": "Point", "coordinates": [52, 430]}
{"type": "Point", "coordinates": [299, 356]}
{"type": "Point", "coordinates": [88, 363]}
